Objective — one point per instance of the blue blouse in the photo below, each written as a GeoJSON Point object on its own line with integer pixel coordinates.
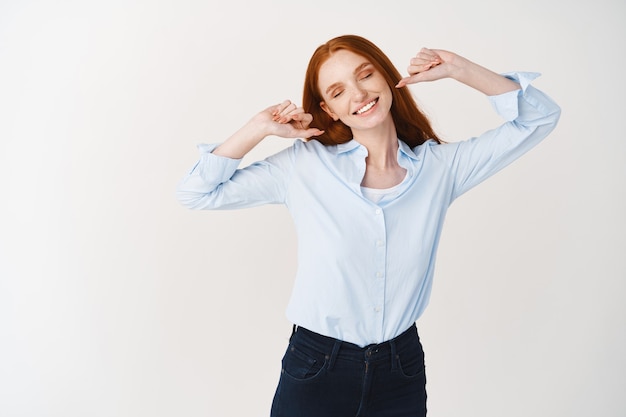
{"type": "Point", "coordinates": [365, 270]}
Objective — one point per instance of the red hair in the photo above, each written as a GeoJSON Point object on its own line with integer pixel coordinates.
{"type": "Point", "coordinates": [412, 126]}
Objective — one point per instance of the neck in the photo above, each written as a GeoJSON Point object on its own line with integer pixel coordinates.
{"type": "Point", "coordinates": [382, 145]}
{"type": "Point", "coordinates": [382, 169]}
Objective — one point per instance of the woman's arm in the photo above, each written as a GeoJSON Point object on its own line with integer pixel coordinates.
{"type": "Point", "coordinates": [530, 116]}
{"type": "Point", "coordinates": [435, 64]}
{"type": "Point", "coordinates": [285, 120]}
{"type": "Point", "coordinates": [214, 182]}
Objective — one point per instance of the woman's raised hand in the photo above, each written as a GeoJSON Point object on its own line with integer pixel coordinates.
{"type": "Point", "coordinates": [430, 65]}
{"type": "Point", "coordinates": [288, 121]}
{"type": "Point", "coordinates": [435, 64]}
{"type": "Point", "coordinates": [285, 120]}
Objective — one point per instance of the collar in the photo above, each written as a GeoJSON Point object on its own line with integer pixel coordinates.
{"type": "Point", "coordinates": [347, 146]}
{"type": "Point", "coordinates": [353, 144]}
{"type": "Point", "coordinates": [406, 150]}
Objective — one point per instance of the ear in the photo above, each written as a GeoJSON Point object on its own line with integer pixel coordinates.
{"type": "Point", "coordinates": [328, 111]}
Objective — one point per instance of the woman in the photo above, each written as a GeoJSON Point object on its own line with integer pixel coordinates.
{"type": "Point", "coordinates": [368, 194]}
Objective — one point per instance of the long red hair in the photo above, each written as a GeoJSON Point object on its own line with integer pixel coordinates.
{"type": "Point", "coordinates": [412, 126]}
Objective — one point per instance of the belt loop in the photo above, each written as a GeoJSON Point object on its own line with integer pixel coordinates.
{"type": "Point", "coordinates": [293, 331]}
{"type": "Point", "coordinates": [333, 355]}
{"type": "Point", "coordinates": [394, 355]}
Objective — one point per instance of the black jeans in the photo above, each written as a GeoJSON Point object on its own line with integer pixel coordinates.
{"type": "Point", "coordinates": [325, 377]}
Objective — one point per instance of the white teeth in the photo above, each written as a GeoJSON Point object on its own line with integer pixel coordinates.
{"type": "Point", "coordinates": [366, 107]}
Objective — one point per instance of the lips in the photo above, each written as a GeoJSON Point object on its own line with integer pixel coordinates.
{"type": "Point", "coordinates": [366, 107]}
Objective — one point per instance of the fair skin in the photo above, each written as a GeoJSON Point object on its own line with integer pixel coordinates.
{"type": "Point", "coordinates": [356, 93]}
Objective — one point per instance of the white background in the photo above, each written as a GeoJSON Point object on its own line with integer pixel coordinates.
{"type": "Point", "coordinates": [116, 301]}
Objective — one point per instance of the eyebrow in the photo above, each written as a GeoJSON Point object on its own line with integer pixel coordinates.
{"type": "Point", "coordinates": [356, 70]}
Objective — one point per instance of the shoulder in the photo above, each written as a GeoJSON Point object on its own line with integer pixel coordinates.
{"type": "Point", "coordinates": [297, 149]}
{"type": "Point", "coordinates": [432, 148]}
{"type": "Point", "coordinates": [313, 145]}
{"type": "Point", "coordinates": [300, 153]}
{"type": "Point", "coordinates": [313, 148]}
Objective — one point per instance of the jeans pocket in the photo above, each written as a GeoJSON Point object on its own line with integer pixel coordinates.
{"type": "Point", "coordinates": [411, 366]}
{"type": "Point", "coordinates": [302, 365]}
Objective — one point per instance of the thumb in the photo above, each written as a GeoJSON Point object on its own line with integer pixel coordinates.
{"type": "Point", "coordinates": [305, 134]}
{"type": "Point", "coordinates": [413, 79]}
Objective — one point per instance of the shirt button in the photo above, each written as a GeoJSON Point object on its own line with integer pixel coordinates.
{"type": "Point", "coordinates": [379, 274]}
{"type": "Point", "coordinates": [378, 211]}
{"type": "Point", "coordinates": [379, 242]}
{"type": "Point", "coordinates": [377, 309]}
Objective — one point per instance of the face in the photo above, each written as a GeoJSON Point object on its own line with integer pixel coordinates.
{"type": "Point", "coordinates": [354, 91]}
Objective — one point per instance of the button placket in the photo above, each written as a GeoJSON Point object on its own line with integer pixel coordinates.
{"type": "Point", "coordinates": [378, 285]}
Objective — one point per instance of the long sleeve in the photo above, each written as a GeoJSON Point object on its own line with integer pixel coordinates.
{"type": "Point", "coordinates": [215, 182]}
{"type": "Point", "coordinates": [530, 116]}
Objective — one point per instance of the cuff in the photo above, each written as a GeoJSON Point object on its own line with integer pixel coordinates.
{"type": "Point", "coordinates": [215, 167]}
{"type": "Point", "coordinates": [506, 104]}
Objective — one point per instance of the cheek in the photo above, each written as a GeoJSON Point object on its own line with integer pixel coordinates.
{"type": "Point", "coordinates": [339, 107]}
{"type": "Point", "coordinates": [388, 99]}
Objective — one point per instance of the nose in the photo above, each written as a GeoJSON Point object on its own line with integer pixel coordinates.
{"type": "Point", "coordinates": [359, 94]}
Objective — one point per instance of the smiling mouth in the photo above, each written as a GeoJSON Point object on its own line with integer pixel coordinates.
{"type": "Point", "coordinates": [366, 107]}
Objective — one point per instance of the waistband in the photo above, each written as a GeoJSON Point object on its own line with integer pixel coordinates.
{"type": "Point", "coordinates": [335, 348]}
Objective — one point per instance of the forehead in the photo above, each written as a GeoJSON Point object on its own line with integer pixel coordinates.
{"type": "Point", "coordinates": [339, 66]}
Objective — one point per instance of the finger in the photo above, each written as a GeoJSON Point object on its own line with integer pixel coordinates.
{"type": "Point", "coordinates": [416, 69]}
{"type": "Point", "coordinates": [413, 79]}
{"type": "Point", "coordinates": [424, 60]}
{"type": "Point", "coordinates": [420, 61]}
{"type": "Point", "coordinates": [421, 76]}
{"type": "Point", "coordinates": [299, 114]}
{"type": "Point", "coordinates": [420, 65]}
{"type": "Point", "coordinates": [303, 117]}
{"type": "Point", "coordinates": [428, 54]}
{"type": "Point", "coordinates": [283, 115]}
{"type": "Point", "coordinates": [286, 115]}
{"type": "Point", "coordinates": [308, 133]}
{"type": "Point", "coordinates": [296, 111]}
{"type": "Point", "coordinates": [301, 120]}
{"type": "Point", "coordinates": [280, 108]}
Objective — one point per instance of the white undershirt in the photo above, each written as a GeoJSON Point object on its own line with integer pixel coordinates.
{"type": "Point", "coordinates": [381, 195]}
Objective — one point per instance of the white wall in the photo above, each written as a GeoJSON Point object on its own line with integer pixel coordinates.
{"type": "Point", "coordinates": [116, 301]}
